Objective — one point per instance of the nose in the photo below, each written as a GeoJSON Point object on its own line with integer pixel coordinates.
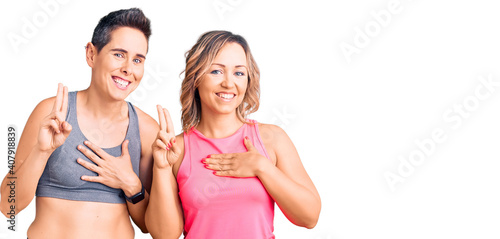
{"type": "Point", "coordinates": [126, 68]}
{"type": "Point", "coordinates": [228, 81]}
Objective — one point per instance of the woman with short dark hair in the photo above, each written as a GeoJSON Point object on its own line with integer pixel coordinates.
{"type": "Point", "coordinates": [83, 153]}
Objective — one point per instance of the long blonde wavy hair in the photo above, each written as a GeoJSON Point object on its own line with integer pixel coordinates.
{"type": "Point", "coordinates": [198, 61]}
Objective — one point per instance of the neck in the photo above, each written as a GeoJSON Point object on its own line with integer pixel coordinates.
{"type": "Point", "coordinates": [100, 106]}
{"type": "Point", "coordinates": [218, 126]}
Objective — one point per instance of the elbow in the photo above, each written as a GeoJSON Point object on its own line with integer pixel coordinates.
{"type": "Point", "coordinates": [164, 231]}
{"type": "Point", "coordinates": [7, 211]}
{"type": "Point", "coordinates": [310, 220]}
{"type": "Point", "coordinates": [4, 212]}
{"type": "Point", "coordinates": [311, 224]}
{"type": "Point", "coordinates": [314, 216]}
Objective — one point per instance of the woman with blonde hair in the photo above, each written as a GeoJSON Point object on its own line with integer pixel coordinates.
{"type": "Point", "coordinates": [227, 175]}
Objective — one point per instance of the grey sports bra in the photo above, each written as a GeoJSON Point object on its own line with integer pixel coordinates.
{"type": "Point", "coordinates": [61, 176]}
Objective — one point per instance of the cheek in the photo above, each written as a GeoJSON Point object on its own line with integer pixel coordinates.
{"type": "Point", "coordinates": [242, 86]}
{"type": "Point", "coordinates": [138, 74]}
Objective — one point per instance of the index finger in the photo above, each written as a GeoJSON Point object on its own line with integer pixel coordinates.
{"type": "Point", "coordinates": [59, 98]}
{"type": "Point", "coordinates": [96, 149]}
{"type": "Point", "coordinates": [161, 118]}
{"type": "Point", "coordinates": [170, 126]}
{"type": "Point", "coordinates": [64, 107]}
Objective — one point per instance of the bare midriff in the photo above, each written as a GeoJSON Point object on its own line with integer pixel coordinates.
{"type": "Point", "coordinates": [59, 218]}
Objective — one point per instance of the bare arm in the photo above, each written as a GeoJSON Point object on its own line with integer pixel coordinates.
{"type": "Point", "coordinates": [148, 127]}
{"type": "Point", "coordinates": [164, 217]}
{"type": "Point", "coordinates": [287, 182]}
{"type": "Point", "coordinates": [44, 132]}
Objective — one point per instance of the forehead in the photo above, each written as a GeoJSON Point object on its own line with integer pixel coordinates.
{"type": "Point", "coordinates": [129, 39]}
{"type": "Point", "coordinates": [231, 54]}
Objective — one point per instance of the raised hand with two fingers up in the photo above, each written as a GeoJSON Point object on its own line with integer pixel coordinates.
{"type": "Point", "coordinates": [164, 217]}
{"type": "Point", "coordinates": [45, 130]}
{"type": "Point", "coordinates": [165, 150]}
{"type": "Point", "coordinates": [53, 128]}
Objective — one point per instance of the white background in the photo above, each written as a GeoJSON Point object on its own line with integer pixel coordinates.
{"type": "Point", "coordinates": [350, 117]}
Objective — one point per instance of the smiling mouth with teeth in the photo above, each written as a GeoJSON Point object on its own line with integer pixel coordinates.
{"type": "Point", "coordinates": [225, 96]}
{"type": "Point", "coordinates": [122, 84]}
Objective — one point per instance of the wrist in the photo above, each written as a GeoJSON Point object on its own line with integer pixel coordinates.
{"type": "Point", "coordinates": [264, 166]}
{"type": "Point", "coordinates": [168, 167]}
{"type": "Point", "coordinates": [42, 152]}
{"type": "Point", "coordinates": [130, 189]}
{"type": "Point", "coordinates": [134, 199]}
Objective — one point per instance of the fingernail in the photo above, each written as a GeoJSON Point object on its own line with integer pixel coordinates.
{"type": "Point", "coordinates": [202, 160]}
{"type": "Point", "coordinates": [169, 145]}
{"type": "Point", "coordinates": [208, 156]}
{"type": "Point", "coordinates": [206, 166]}
{"type": "Point", "coordinates": [79, 147]}
{"type": "Point", "coordinates": [174, 141]}
{"type": "Point", "coordinates": [167, 148]}
{"type": "Point", "coordinates": [215, 173]}
{"type": "Point", "coordinates": [246, 137]}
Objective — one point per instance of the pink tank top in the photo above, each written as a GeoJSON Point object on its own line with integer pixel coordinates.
{"type": "Point", "coordinates": [223, 207]}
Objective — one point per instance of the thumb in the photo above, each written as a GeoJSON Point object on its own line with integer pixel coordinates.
{"type": "Point", "coordinates": [125, 148]}
{"type": "Point", "coordinates": [66, 128]}
{"type": "Point", "coordinates": [248, 144]}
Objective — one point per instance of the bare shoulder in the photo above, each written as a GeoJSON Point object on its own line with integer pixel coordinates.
{"type": "Point", "coordinates": [275, 140]}
{"type": "Point", "coordinates": [147, 125]}
{"type": "Point", "coordinates": [180, 139]}
{"type": "Point", "coordinates": [272, 134]}
{"type": "Point", "coordinates": [148, 128]}
{"type": "Point", "coordinates": [45, 106]}
{"type": "Point", "coordinates": [42, 109]}
{"type": "Point", "coordinates": [30, 132]}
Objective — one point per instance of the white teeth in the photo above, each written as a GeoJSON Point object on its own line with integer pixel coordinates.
{"type": "Point", "coordinates": [121, 82]}
{"type": "Point", "coordinates": [226, 96]}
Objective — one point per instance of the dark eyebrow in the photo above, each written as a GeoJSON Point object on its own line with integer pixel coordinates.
{"type": "Point", "coordinates": [125, 51]}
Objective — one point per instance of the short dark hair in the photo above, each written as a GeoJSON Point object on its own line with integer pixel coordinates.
{"type": "Point", "coordinates": [133, 17]}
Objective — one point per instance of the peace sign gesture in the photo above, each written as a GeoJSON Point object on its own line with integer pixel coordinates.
{"type": "Point", "coordinates": [54, 129]}
{"type": "Point", "coordinates": [165, 150]}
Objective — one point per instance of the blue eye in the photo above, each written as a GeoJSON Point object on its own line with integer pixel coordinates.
{"type": "Point", "coordinates": [239, 73]}
{"type": "Point", "coordinates": [137, 61]}
{"type": "Point", "coordinates": [118, 54]}
{"type": "Point", "coordinates": [216, 72]}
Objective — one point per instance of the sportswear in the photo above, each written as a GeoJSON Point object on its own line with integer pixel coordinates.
{"type": "Point", "coordinates": [61, 177]}
{"type": "Point", "coordinates": [223, 207]}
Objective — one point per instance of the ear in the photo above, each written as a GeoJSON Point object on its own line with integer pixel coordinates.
{"type": "Point", "coordinates": [90, 53]}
